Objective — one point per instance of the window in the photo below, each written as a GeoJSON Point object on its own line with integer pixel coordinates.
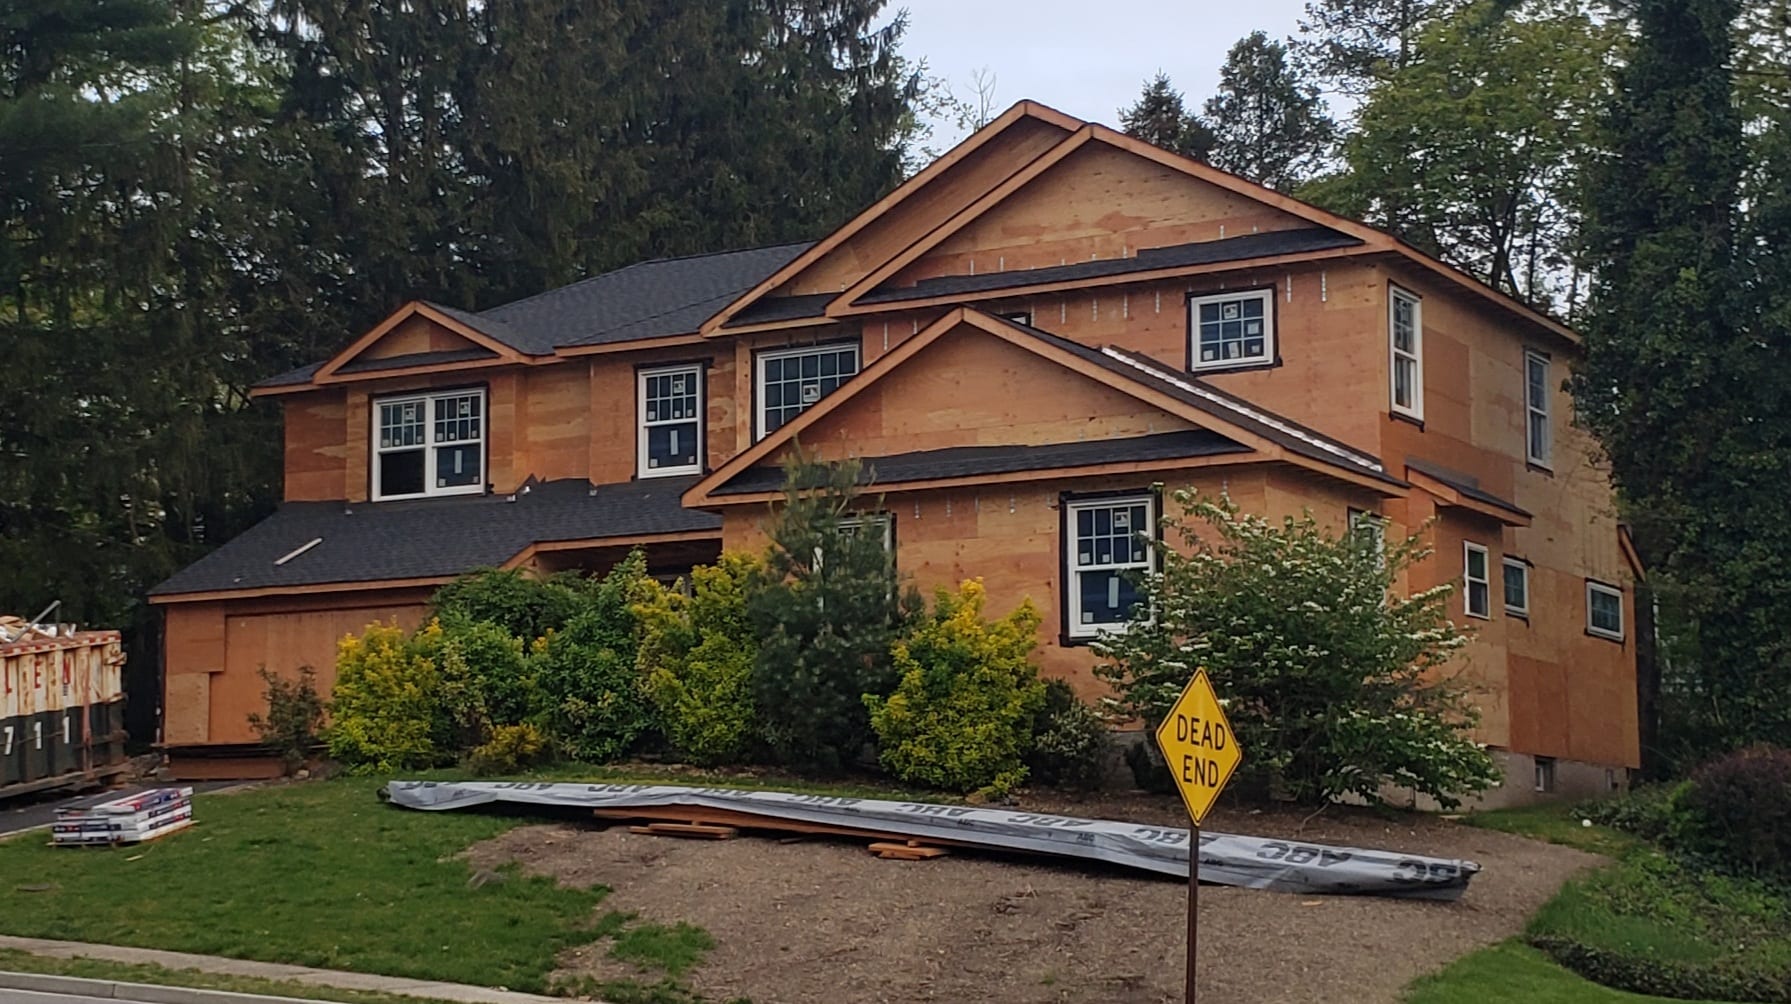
{"type": "Point", "coordinates": [791, 380]}
{"type": "Point", "coordinates": [1478, 598]}
{"type": "Point", "coordinates": [1405, 336]}
{"type": "Point", "coordinates": [1538, 442]}
{"type": "Point", "coordinates": [878, 523]}
{"type": "Point", "coordinates": [1545, 773]}
{"type": "Point", "coordinates": [671, 417]}
{"type": "Point", "coordinates": [1604, 610]}
{"type": "Point", "coordinates": [1231, 329]}
{"type": "Point", "coordinates": [1517, 588]}
{"type": "Point", "coordinates": [429, 444]}
{"type": "Point", "coordinates": [1370, 528]}
{"type": "Point", "coordinates": [1107, 544]}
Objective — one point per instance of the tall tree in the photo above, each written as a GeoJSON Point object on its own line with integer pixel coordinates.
{"type": "Point", "coordinates": [1354, 45]}
{"type": "Point", "coordinates": [1686, 374]}
{"type": "Point", "coordinates": [1268, 123]}
{"type": "Point", "coordinates": [1160, 117]}
{"type": "Point", "coordinates": [1475, 151]}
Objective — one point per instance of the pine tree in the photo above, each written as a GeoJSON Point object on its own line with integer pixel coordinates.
{"type": "Point", "coordinates": [1355, 44]}
{"type": "Point", "coordinates": [1268, 123]}
{"type": "Point", "coordinates": [1161, 118]}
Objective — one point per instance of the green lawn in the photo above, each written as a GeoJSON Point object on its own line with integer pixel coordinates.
{"type": "Point", "coordinates": [317, 874]}
{"type": "Point", "coordinates": [94, 969]}
{"type": "Point", "coordinates": [1513, 973]}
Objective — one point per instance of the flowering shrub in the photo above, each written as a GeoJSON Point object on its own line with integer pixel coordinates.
{"type": "Point", "coordinates": [962, 714]}
{"type": "Point", "coordinates": [1333, 679]}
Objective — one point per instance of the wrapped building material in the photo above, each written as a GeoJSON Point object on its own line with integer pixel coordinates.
{"type": "Point", "coordinates": [128, 820]}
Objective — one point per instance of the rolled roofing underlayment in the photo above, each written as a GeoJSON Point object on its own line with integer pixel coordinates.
{"type": "Point", "coordinates": [1225, 859]}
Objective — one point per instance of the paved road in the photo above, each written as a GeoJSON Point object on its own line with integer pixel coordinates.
{"type": "Point", "coordinates": [32, 997]}
{"type": "Point", "coordinates": [26, 812]}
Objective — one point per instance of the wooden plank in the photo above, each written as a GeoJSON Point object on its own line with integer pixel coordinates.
{"type": "Point", "coordinates": [911, 850]}
{"type": "Point", "coordinates": [707, 831]}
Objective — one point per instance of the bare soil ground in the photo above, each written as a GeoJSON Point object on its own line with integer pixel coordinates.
{"type": "Point", "coordinates": [822, 920]}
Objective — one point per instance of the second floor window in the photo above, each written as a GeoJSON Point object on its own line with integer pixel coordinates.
{"type": "Point", "coordinates": [792, 380]}
{"type": "Point", "coordinates": [1231, 329]}
{"type": "Point", "coordinates": [1537, 435]}
{"type": "Point", "coordinates": [1477, 597]}
{"type": "Point", "coordinates": [671, 415]}
{"type": "Point", "coordinates": [429, 444]}
{"type": "Point", "coordinates": [1405, 337]}
{"type": "Point", "coordinates": [1517, 587]}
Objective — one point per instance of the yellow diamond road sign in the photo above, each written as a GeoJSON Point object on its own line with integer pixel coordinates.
{"type": "Point", "coordinates": [1198, 744]}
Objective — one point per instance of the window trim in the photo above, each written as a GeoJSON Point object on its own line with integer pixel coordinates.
{"type": "Point", "coordinates": [1369, 521]}
{"type": "Point", "coordinates": [427, 396]}
{"type": "Point", "coordinates": [1416, 410]}
{"type": "Point", "coordinates": [1505, 565]}
{"type": "Point", "coordinates": [1595, 586]}
{"type": "Point", "coordinates": [1073, 631]}
{"type": "Point", "coordinates": [641, 374]}
{"type": "Point", "coordinates": [1532, 409]}
{"type": "Point", "coordinates": [1271, 341]}
{"type": "Point", "coordinates": [1468, 548]}
{"type": "Point", "coordinates": [760, 356]}
{"type": "Point", "coordinates": [1543, 770]}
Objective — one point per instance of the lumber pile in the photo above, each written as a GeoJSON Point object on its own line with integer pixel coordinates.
{"type": "Point", "coordinates": [128, 820]}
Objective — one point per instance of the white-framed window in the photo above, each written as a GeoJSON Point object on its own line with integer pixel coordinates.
{"type": "Point", "coordinates": [1231, 329]}
{"type": "Point", "coordinates": [790, 381]}
{"type": "Point", "coordinates": [1604, 610]}
{"type": "Point", "coordinates": [1370, 528]}
{"type": "Point", "coordinates": [1107, 544]}
{"type": "Point", "coordinates": [671, 421]}
{"type": "Point", "coordinates": [1405, 347]}
{"type": "Point", "coordinates": [1477, 585]}
{"type": "Point", "coordinates": [429, 444]}
{"type": "Point", "coordinates": [1516, 575]}
{"type": "Point", "coordinates": [879, 523]}
{"type": "Point", "coordinates": [1538, 436]}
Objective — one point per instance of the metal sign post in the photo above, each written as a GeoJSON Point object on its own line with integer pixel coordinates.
{"type": "Point", "coordinates": [1198, 745]}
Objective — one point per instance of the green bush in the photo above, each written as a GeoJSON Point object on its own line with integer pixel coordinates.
{"type": "Point", "coordinates": [826, 615]}
{"type": "Point", "coordinates": [486, 680]}
{"type": "Point", "coordinates": [295, 713]}
{"type": "Point", "coordinates": [961, 717]}
{"type": "Point", "coordinates": [1332, 676]}
{"type": "Point", "coordinates": [1071, 743]}
{"type": "Point", "coordinates": [1729, 980]}
{"type": "Point", "coordinates": [523, 605]}
{"type": "Point", "coordinates": [1646, 812]}
{"type": "Point", "coordinates": [595, 707]}
{"type": "Point", "coordinates": [697, 654]}
{"type": "Point", "coordinates": [387, 706]}
{"type": "Point", "coordinates": [1735, 812]}
{"type": "Point", "coordinates": [509, 749]}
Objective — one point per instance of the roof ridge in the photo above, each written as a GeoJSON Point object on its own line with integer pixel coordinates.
{"type": "Point", "coordinates": [631, 266]}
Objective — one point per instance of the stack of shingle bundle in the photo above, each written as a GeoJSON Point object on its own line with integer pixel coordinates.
{"type": "Point", "coordinates": [128, 820]}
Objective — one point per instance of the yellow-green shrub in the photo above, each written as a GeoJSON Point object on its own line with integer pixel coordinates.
{"type": "Point", "coordinates": [510, 748]}
{"type": "Point", "coordinates": [697, 655]}
{"type": "Point", "coordinates": [387, 703]}
{"type": "Point", "coordinates": [961, 716]}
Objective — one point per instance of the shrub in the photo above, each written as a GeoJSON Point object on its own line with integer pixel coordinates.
{"type": "Point", "coordinates": [294, 716]}
{"type": "Point", "coordinates": [523, 605]}
{"type": "Point", "coordinates": [1646, 812]}
{"type": "Point", "coordinates": [1641, 973]}
{"type": "Point", "coordinates": [509, 749]}
{"type": "Point", "coordinates": [486, 680]}
{"type": "Point", "coordinates": [595, 706]}
{"type": "Point", "coordinates": [961, 716]}
{"type": "Point", "coordinates": [1736, 813]}
{"type": "Point", "coordinates": [1331, 676]}
{"type": "Point", "coordinates": [697, 653]}
{"type": "Point", "coordinates": [826, 616]}
{"type": "Point", "coordinates": [1070, 743]}
{"type": "Point", "coordinates": [387, 706]}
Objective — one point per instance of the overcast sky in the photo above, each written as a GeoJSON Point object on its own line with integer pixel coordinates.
{"type": "Point", "coordinates": [1085, 57]}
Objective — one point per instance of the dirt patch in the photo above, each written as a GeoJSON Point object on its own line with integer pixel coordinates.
{"type": "Point", "coordinates": [822, 920]}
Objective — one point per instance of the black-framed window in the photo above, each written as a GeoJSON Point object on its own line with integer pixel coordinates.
{"type": "Point", "coordinates": [428, 444]}
{"type": "Point", "coordinates": [1227, 330]}
{"type": "Point", "coordinates": [791, 381]}
{"type": "Point", "coordinates": [1106, 547]}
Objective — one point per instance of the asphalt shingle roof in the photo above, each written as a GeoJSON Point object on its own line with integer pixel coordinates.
{"type": "Point", "coordinates": [967, 461]}
{"type": "Point", "coordinates": [1466, 484]}
{"type": "Point", "coordinates": [372, 541]}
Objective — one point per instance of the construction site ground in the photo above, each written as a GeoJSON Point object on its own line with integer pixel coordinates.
{"type": "Point", "coordinates": [816, 919]}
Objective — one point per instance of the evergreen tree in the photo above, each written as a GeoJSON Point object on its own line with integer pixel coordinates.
{"type": "Point", "coordinates": [1685, 375]}
{"type": "Point", "coordinates": [1161, 118]}
{"type": "Point", "coordinates": [1355, 44]}
{"type": "Point", "coordinates": [1268, 123]}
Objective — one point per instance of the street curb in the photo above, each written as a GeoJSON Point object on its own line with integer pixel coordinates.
{"type": "Point", "coordinates": [152, 993]}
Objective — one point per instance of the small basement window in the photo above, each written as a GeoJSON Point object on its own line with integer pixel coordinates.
{"type": "Point", "coordinates": [1545, 773]}
{"type": "Point", "coordinates": [1107, 545]}
{"type": "Point", "coordinates": [1231, 329]}
{"type": "Point", "coordinates": [1477, 598]}
{"type": "Point", "coordinates": [1405, 345]}
{"type": "Point", "coordinates": [1604, 610]}
{"type": "Point", "coordinates": [790, 381]}
{"type": "Point", "coordinates": [1517, 587]}
{"type": "Point", "coordinates": [429, 444]}
{"type": "Point", "coordinates": [671, 421]}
